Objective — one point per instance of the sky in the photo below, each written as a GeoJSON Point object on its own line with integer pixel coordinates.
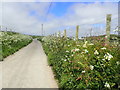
{"type": "Point", "coordinates": [27, 17]}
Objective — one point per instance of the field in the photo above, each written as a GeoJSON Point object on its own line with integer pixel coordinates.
{"type": "Point", "coordinates": [10, 42]}
{"type": "Point", "coordinates": [85, 64]}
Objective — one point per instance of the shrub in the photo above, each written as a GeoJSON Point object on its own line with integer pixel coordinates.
{"type": "Point", "coordinates": [82, 64]}
{"type": "Point", "coordinates": [12, 42]}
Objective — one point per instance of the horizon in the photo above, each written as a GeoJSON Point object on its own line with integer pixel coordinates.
{"type": "Point", "coordinates": [27, 17]}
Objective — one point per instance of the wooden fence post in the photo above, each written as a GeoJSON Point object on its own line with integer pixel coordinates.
{"type": "Point", "coordinates": [77, 31]}
{"type": "Point", "coordinates": [55, 34]}
{"type": "Point", "coordinates": [108, 26]}
{"type": "Point", "coordinates": [0, 28]}
{"type": "Point", "coordinates": [59, 34]}
{"type": "Point", "coordinates": [65, 33]}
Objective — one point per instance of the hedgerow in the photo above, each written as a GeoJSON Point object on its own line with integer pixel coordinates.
{"type": "Point", "coordinates": [83, 64]}
{"type": "Point", "coordinates": [12, 42]}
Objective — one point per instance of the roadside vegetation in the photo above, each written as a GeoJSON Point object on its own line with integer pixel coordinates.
{"type": "Point", "coordinates": [37, 37]}
{"type": "Point", "coordinates": [10, 42]}
{"type": "Point", "coordinates": [84, 64]}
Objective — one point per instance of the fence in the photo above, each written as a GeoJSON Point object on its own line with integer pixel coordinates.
{"type": "Point", "coordinates": [96, 29]}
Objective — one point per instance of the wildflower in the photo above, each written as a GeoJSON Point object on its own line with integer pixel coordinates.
{"type": "Point", "coordinates": [68, 45]}
{"type": "Point", "coordinates": [78, 45]}
{"type": "Point", "coordinates": [102, 65]}
{"type": "Point", "coordinates": [91, 67]}
{"type": "Point", "coordinates": [117, 62]}
{"type": "Point", "coordinates": [65, 60]}
{"type": "Point", "coordinates": [103, 59]}
{"type": "Point", "coordinates": [77, 49]}
{"type": "Point", "coordinates": [98, 57]}
{"type": "Point", "coordinates": [85, 45]}
{"type": "Point", "coordinates": [106, 36]}
{"type": "Point", "coordinates": [108, 56]}
{"type": "Point", "coordinates": [66, 56]}
{"type": "Point", "coordinates": [83, 71]}
{"type": "Point", "coordinates": [74, 39]}
{"type": "Point", "coordinates": [91, 44]}
{"type": "Point", "coordinates": [107, 85]}
{"type": "Point", "coordinates": [86, 51]}
{"type": "Point", "coordinates": [103, 48]}
{"type": "Point", "coordinates": [67, 51]}
{"type": "Point", "coordinates": [96, 52]}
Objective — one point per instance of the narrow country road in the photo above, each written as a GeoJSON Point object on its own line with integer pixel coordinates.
{"type": "Point", "coordinates": [28, 68]}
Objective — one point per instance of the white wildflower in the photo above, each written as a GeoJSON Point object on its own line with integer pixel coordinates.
{"type": "Point", "coordinates": [102, 65]}
{"type": "Point", "coordinates": [117, 62]}
{"type": "Point", "coordinates": [96, 52]}
{"type": "Point", "coordinates": [103, 59]}
{"type": "Point", "coordinates": [98, 57]}
{"type": "Point", "coordinates": [83, 71]}
{"type": "Point", "coordinates": [77, 49]}
{"type": "Point", "coordinates": [91, 44]}
{"type": "Point", "coordinates": [78, 45]}
{"type": "Point", "coordinates": [107, 85]}
{"type": "Point", "coordinates": [67, 51]}
{"type": "Point", "coordinates": [74, 39]}
{"type": "Point", "coordinates": [103, 48]}
{"type": "Point", "coordinates": [68, 45]}
{"type": "Point", "coordinates": [85, 45]}
{"type": "Point", "coordinates": [65, 60]}
{"type": "Point", "coordinates": [91, 67]}
{"type": "Point", "coordinates": [106, 36]}
{"type": "Point", "coordinates": [108, 56]}
{"type": "Point", "coordinates": [86, 51]}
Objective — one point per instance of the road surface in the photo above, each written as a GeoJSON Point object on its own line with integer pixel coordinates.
{"type": "Point", "coordinates": [28, 68]}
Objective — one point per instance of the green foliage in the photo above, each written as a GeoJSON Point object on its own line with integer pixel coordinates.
{"type": "Point", "coordinates": [37, 37]}
{"type": "Point", "coordinates": [85, 65]}
{"type": "Point", "coordinates": [10, 42]}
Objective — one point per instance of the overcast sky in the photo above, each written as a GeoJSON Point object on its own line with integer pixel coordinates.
{"type": "Point", "coordinates": [27, 17]}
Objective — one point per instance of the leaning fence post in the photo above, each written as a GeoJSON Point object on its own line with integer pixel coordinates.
{"type": "Point", "coordinates": [77, 31]}
{"type": "Point", "coordinates": [108, 26]}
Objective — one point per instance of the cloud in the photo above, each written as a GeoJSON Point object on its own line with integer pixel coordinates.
{"type": "Point", "coordinates": [28, 17]}
{"type": "Point", "coordinates": [92, 15]}
{"type": "Point", "coordinates": [17, 16]}
{"type": "Point", "coordinates": [0, 13]}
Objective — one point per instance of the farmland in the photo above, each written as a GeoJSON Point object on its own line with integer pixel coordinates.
{"type": "Point", "coordinates": [85, 64]}
{"type": "Point", "coordinates": [10, 42]}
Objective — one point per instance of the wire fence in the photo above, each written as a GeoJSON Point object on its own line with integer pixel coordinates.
{"type": "Point", "coordinates": [95, 29]}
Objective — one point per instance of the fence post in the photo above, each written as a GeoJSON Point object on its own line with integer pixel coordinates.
{"type": "Point", "coordinates": [0, 28]}
{"type": "Point", "coordinates": [59, 34]}
{"type": "Point", "coordinates": [55, 34]}
{"type": "Point", "coordinates": [108, 26]}
{"type": "Point", "coordinates": [65, 33]}
{"type": "Point", "coordinates": [77, 31]}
